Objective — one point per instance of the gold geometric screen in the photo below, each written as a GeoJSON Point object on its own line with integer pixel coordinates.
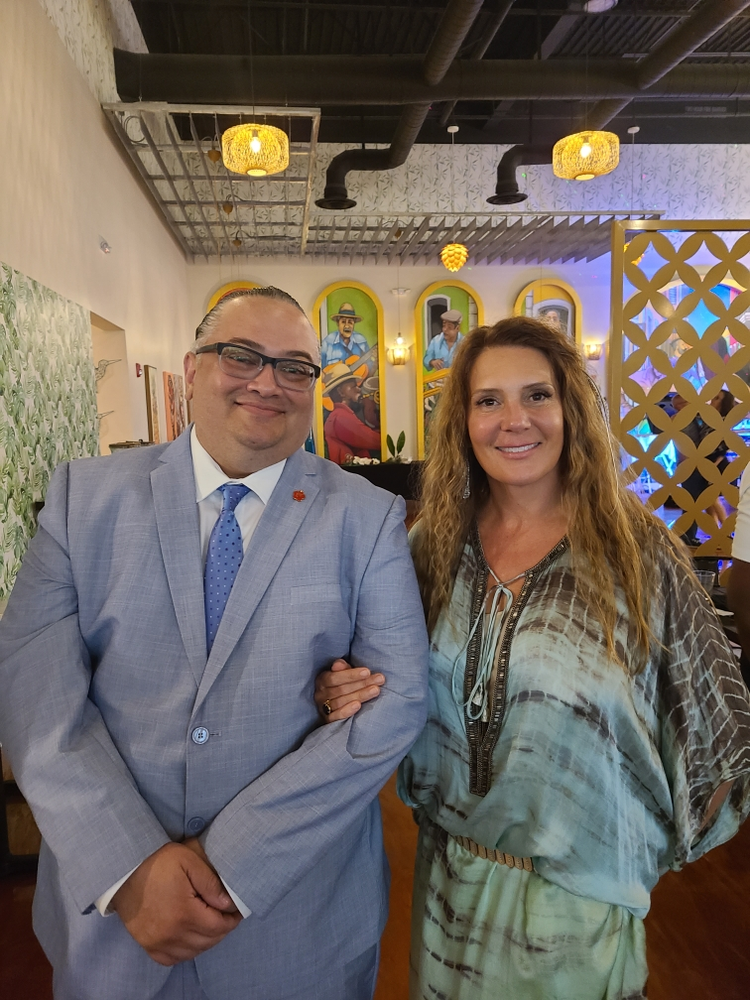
{"type": "Point", "coordinates": [680, 370]}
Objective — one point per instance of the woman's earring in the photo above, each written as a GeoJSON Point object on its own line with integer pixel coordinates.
{"type": "Point", "coordinates": [467, 485]}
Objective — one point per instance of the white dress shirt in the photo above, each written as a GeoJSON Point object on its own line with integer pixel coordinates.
{"type": "Point", "coordinates": [208, 478]}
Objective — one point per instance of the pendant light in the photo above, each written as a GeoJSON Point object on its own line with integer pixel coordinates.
{"type": "Point", "coordinates": [592, 153]}
{"type": "Point", "coordinates": [585, 155]}
{"type": "Point", "coordinates": [254, 149]}
{"type": "Point", "coordinates": [453, 255]}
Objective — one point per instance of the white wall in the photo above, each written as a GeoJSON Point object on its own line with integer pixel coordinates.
{"type": "Point", "coordinates": [496, 286]}
{"type": "Point", "coordinates": [64, 182]}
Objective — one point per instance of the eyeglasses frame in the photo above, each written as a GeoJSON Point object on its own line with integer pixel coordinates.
{"type": "Point", "coordinates": [220, 347]}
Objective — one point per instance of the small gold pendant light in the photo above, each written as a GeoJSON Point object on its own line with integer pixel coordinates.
{"type": "Point", "coordinates": [454, 255]}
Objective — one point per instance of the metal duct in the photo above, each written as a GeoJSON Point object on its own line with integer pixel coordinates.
{"type": "Point", "coordinates": [454, 26]}
{"type": "Point", "coordinates": [321, 81]}
{"type": "Point", "coordinates": [506, 189]}
{"type": "Point", "coordinates": [681, 42]}
{"type": "Point", "coordinates": [481, 47]}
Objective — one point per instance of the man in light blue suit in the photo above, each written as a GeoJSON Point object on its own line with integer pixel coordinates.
{"type": "Point", "coordinates": [158, 657]}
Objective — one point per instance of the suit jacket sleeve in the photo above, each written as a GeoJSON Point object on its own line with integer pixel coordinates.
{"type": "Point", "coordinates": [83, 796]}
{"type": "Point", "coordinates": [280, 825]}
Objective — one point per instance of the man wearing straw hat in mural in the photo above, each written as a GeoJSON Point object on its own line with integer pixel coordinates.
{"type": "Point", "coordinates": [440, 351]}
{"type": "Point", "coordinates": [345, 434]}
{"type": "Point", "coordinates": [344, 343]}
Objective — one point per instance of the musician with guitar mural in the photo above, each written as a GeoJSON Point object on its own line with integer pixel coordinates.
{"type": "Point", "coordinates": [345, 342]}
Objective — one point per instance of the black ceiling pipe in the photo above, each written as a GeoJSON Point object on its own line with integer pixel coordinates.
{"type": "Point", "coordinates": [481, 47]}
{"type": "Point", "coordinates": [506, 189]}
{"type": "Point", "coordinates": [346, 81]}
{"type": "Point", "coordinates": [336, 196]}
{"type": "Point", "coordinates": [681, 42]}
{"type": "Point", "coordinates": [454, 26]}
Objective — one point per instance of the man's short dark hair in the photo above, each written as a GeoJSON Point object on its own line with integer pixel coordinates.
{"type": "Point", "coordinates": [211, 318]}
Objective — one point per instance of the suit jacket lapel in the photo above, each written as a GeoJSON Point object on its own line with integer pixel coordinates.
{"type": "Point", "coordinates": [173, 486]}
{"type": "Point", "coordinates": [279, 523]}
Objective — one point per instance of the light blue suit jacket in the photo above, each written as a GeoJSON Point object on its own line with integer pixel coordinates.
{"type": "Point", "coordinates": [104, 676]}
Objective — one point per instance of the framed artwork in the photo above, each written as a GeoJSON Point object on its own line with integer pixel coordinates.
{"type": "Point", "coordinates": [444, 314]}
{"type": "Point", "coordinates": [152, 404]}
{"type": "Point", "coordinates": [174, 394]}
{"type": "Point", "coordinates": [349, 321]}
{"type": "Point", "coordinates": [553, 301]}
{"type": "Point", "coordinates": [231, 286]}
{"type": "Point", "coordinates": [182, 403]}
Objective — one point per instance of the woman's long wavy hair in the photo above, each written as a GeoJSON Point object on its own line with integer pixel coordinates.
{"type": "Point", "coordinates": [613, 539]}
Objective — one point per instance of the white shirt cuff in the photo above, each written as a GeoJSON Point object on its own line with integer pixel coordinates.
{"type": "Point", "coordinates": [102, 903]}
{"type": "Point", "coordinates": [244, 912]}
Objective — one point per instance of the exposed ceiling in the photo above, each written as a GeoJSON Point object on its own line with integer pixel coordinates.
{"type": "Point", "coordinates": [507, 72]}
{"type": "Point", "coordinates": [329, 54]}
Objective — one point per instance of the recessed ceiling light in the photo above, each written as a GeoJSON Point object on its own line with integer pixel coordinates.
{"type": "Point", "coordinates": [599, 6]}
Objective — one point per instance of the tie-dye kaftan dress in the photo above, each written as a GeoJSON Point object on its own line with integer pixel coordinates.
{"type": "Point", "coordinates": [602, 778]}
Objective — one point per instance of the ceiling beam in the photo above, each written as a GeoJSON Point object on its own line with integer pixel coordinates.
{"type": "Point", "coordinates": [387, 80]}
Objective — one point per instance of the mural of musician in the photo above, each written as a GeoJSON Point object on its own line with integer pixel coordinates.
{"type": "Point", "coordinates": [345, 341]}
{"type": "Point", "coordinates": [444, 314]}
{"type": "Point", "coordinates": [350, 326]}
{"type": "Point", "coordinates": [347, 435]}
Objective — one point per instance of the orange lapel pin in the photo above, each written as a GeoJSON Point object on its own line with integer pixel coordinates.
{"type": "Point", "coordinates": [298, 495]}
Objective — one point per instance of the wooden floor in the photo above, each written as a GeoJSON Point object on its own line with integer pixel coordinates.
{"type": "Point", "coordinates": [698, 928]}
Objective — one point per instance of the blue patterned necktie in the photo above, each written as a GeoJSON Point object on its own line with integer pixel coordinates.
{"type": "Point", "coordinates": [223, 559]}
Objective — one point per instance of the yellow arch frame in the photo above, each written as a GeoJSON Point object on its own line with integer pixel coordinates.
{"type": "Point", "coordinates": [538, 289]}
{"type": "Point", "coordinates": [419, 345]}
{"type": "Point", "coordinates": [318, 425]}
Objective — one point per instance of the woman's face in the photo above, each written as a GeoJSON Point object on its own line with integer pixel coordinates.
{"type": "Point", "coordinates": [515, 419]}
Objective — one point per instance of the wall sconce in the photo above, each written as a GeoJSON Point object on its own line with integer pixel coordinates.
{"type": "Point", "coordinates": [593, 351]}
{"type": "Point", "coordinates": [399, 353]}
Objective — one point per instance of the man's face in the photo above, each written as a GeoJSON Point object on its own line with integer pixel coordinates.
{"type": "Point", "coordinates": [346, 326]}
{"type": "Point", "coordinates": [450, 330]}
{"type": "Point", "coordinates": [247, 426]}
{"type": "Point", "coordinates": [349, 392]}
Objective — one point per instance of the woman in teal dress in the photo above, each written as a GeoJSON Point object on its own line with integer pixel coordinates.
{"type": "Point", "coordinates": [588, 728]}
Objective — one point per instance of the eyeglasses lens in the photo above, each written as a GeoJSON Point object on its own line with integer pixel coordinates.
{"type": "Point", "coordinates": [241, 363]}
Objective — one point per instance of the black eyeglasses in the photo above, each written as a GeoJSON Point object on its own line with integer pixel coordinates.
{"type": "Point", "coordinates": [242, 362]}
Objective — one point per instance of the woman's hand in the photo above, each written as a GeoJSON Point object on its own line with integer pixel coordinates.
{"type": "Point", "coordinates": [341, 691]}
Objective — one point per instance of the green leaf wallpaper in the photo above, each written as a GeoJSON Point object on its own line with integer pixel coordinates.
{"type": "Point", "coordinates": [47, 403]}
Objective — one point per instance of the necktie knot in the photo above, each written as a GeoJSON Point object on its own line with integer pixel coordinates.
{"type": "Point", "coordinates": [231, 494]}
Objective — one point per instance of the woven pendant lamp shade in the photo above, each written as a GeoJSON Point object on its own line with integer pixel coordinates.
{"type": "Point", "coordinates": [256, 150]}
{"type": "Point", "coordinates": [454, 256]}
{"type": "Point", "coordinates": [585, 155]}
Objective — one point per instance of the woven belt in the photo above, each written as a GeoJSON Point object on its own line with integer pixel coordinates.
{"type": "Point", "coordinates": [523, 864]}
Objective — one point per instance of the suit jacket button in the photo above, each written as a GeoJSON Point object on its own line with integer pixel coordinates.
{"type": "Point", "coordinates": [196, 824]}
{"type": "Point", "coordinates": [199, 735]}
